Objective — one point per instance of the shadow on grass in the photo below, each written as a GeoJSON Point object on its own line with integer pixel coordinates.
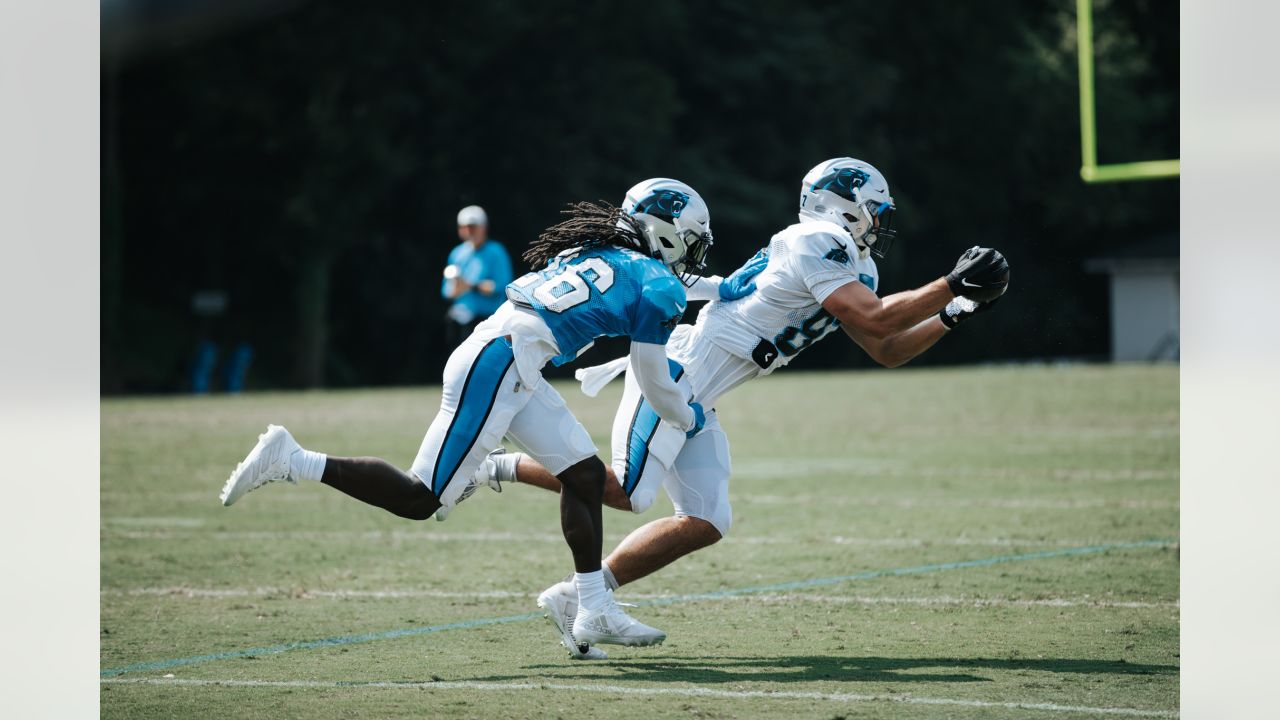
{"type": "Point", "coordinates": [811, 668]}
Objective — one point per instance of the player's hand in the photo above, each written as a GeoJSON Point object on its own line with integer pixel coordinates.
{"type": "Point", "coordinates": [981, 274]}
{"type": "Point", "coordinates": [963, 308]}
{"type": "Point", "coordinates": [699, 419]}
{"type": "Point", "coordinates": [742, 282]}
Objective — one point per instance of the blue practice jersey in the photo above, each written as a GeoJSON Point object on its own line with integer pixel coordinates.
{"type": "Point", "coordinates": [602, 292]}
{"type": "Point", "coordinates": [488, 262]}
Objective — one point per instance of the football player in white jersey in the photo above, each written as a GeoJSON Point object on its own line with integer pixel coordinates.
{"type": "Point", "coordinates": [814, 277]}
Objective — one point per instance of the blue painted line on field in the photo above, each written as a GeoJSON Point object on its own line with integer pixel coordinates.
{"type": "Point", "coordinates": [719, 594]}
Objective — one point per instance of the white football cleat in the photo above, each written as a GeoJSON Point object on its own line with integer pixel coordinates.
{"type": "Point", "coordinates": [613, 626]}
{"type": "Point", "coordinates": [561, 603]}
{"type": "Point", "coordinates": [486, 474]}
{"type": "Point", "coordinates": [268, 462]}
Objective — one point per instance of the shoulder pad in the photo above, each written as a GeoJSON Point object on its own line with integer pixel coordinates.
{"type": "Point", "coordinates": [823, 239]}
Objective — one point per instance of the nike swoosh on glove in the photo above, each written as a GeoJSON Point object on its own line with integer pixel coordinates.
{"type": "Point", "coordinates": [981, 274]}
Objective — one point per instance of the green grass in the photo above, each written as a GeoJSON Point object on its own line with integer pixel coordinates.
{"type": "Point", "coordinates": [834, 474]}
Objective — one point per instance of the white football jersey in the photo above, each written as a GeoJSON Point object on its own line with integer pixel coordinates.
{"type": "Point", "coordinates": [735, 341]}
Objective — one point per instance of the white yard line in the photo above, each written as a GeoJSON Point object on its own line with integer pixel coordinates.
{"type": "Point", "coordinates": [691, 692]}
{"type": "Point", "coordinates": [919, 542]}
{"type": "Point", "coordinates": [302, 594]}
{"type": "Point", "coordinates": [950, 600]}
{"type": "Point", "coordinates": [189, 522]}
{"type": "Point", "coordinates": [940, 600]}
{"type": "Point", "coordinates": [556, 538]}
{"type": "Point", "coordinates": [415, 535]}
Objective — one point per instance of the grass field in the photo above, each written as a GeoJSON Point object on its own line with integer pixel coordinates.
{"type": "Point", "coordinates": [994, 542]}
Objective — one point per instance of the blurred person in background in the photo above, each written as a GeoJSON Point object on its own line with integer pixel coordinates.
{"type": "Point", "coordinates": [476, 276]}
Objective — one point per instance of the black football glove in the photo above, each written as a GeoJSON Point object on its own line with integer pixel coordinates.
{"type": "Point", "coordinates": [981, 274]}
{"type": "Point", "coordinates": [961, 309]}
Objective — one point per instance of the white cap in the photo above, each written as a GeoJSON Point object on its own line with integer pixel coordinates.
{"type": "Point", "coordinates": [472, 215]}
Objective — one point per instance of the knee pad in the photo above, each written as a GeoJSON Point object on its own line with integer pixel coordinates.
{"type": "Point", "coordinates": [642, 499]}
{"type": "Point", "coordinates": [720, 517]}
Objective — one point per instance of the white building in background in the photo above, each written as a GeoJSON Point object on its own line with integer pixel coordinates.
{"type": "Point", "coordinates": [1144, 301]}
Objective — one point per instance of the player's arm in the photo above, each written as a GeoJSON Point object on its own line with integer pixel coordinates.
{"type": "Point", "coordinates": [706, 287]}
{"type": "Point", "coordinates": [899, 348]}
{"type": "Point", "coordinates": [903, 347]}
{"type": "Point", "coordinates": [737, 285]}
{"type": "Point", "coordinates": [981, 274]}
{"type": "Point", "coordinates": [652, 373]}
{"type": "Point", "coordinates": [871, 317]}
{"type": "Point", "coordinates": [662, 303]}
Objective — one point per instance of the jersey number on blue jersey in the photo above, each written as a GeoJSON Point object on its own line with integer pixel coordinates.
{"type": "Point", "coordinates": [562, 286]}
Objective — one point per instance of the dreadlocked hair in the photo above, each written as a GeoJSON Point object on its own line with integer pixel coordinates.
{"type": "Point", "coordinates": [587, 225]}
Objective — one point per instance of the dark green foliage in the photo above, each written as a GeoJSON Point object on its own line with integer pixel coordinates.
{"type": "Point", "coordinates": [316, 159]}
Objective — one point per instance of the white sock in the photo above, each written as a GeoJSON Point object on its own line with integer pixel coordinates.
{"type": "Point", "coordinates": [307, 465]}
{"type": "Point", "coordinates": [591, 590]}
{"type": "Point", "coordinates": [505, 466]}
{"type": "Point", "coordinates": [609, 580]}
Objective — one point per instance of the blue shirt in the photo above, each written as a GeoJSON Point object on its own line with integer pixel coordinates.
{"type": "Point", "coordinates": [488, 262]}
{"type": "Point", "coordinates": [602, 292]}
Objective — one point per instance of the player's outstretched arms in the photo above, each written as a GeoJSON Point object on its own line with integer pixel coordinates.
{"type": "Point", "coordinates": [900, 348]}
{"type": "Point", "coordinates": [903, 347]}
{"type": "Point", "coordinates": [861, 310]}
{"type": "Point", "coordinates": [981, 274]}
{"type": "Point", "coordinates": [653, 374]}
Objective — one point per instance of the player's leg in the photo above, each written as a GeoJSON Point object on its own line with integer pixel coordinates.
{"type": "Point", "coordinates": [644, 447]}
{"type": "Point", "coordinates": [517, 467]}
{"type": "Point", "coordinates": [381, 484]}
{"type": "Point", "coordinates": [472, 418]}
{"type": "Point", "coordinates": [278, 458]}
{"type": "Point", "coordinates": [699, 489]}
{"type": "Point", "coordinates": [481, 395]}
{"type": "Point", "coordinates": [547, 429]}
{"type": "Point", "coordinates": [643, 451]}
{"type": "Point", "coordinates": [561, 445]}
{"type": "Point", "coordinates": [581, 485]}
{"type": "Point", "coordinates": [474, 372]}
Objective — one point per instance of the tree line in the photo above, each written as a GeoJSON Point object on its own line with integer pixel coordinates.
{"type": "Point", "coordinates": [309, 165]}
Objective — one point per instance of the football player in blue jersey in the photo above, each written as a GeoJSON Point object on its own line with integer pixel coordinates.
{"type": "Point", "coordinates": [603, 271]}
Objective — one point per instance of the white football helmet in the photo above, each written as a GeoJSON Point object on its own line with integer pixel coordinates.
{"type": "Point", "coordinates": [853, 194]}
{"type": "Point", "coordinates": [676, 224]}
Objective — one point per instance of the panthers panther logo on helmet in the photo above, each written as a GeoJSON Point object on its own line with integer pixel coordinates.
{"type": "Point", "coordinates": [854, 195]}
{"type": "Point", "coordinates": [676, 224]}
{"type": "Point", "coordinates": [663, 204]}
